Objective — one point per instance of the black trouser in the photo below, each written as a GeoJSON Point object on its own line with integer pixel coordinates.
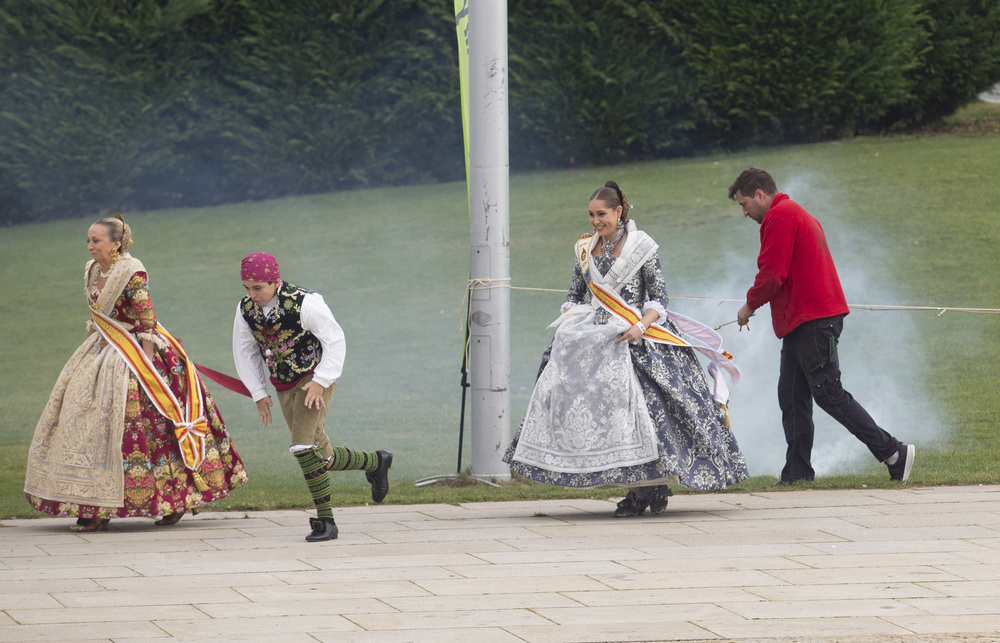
{"type": "Point", "coordinates": [810, 370]}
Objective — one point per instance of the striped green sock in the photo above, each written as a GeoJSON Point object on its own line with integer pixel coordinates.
{"type": "Point", "coordinates": [344, 459]}
{"type": "Point", "coordinates": [318, 480]}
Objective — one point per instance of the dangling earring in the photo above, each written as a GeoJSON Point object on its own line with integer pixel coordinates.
{"type": "Point", "coordinates": [621, 224]}
{"type": "Point", "coordinates": [114, 256]}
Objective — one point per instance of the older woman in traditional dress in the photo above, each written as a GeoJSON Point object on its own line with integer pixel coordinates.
{"type": "Point", "coordinates": [621, 398]}
{"type": "Point", "coordinates": [129, 429]}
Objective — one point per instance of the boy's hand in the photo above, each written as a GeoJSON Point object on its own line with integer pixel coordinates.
{"type": "Point", "coordinates": [314, 395]}
{"type": "Point", "coordinates": [264, 409]}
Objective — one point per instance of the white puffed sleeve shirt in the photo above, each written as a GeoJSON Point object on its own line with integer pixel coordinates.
{"type": "Point", "coordinates": [317, 319]}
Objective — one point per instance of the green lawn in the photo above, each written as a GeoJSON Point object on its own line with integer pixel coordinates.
{"type": "Point", "coordinates": [912, 220]}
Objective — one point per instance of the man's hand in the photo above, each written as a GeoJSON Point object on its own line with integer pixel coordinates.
{"type": "Point", "coordinates": [743, 317]}
{"type": "Point", "coordinates": [314, 395]}
{"type": "Point", "coordinates": [264, 410]}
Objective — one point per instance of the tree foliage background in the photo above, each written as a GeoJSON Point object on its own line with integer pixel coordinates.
{"type": "Point", "coordinates": [141, 104]}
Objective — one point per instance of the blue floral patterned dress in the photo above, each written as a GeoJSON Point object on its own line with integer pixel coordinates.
{"type": "Point", "coordinates": [693, 444]}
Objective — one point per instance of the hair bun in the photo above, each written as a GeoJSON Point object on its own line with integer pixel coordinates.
{"type": "Point", "coordinates": [621, 195]}
{"type": "Point", "coordinates": [126, 239]}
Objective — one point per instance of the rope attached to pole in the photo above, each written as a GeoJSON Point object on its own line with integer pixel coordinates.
{"type": "Point", "coordinates": [487, 284]}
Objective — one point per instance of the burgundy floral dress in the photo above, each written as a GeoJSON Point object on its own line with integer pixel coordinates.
{"type": "Point", "coordinates": [156, 480]}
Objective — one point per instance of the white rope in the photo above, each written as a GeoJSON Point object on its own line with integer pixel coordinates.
{"type": "Point", "coordinates": [482, 284]}
{"type": "Point", "coordinates": [941, 309]}
{"type": "Point", "coordinates": [487, 284]}
{"type": "Point", "coordinates": [470, 289]}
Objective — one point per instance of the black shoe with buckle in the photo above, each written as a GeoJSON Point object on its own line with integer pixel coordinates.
{"type": "Point", "coordinates": [379, 478]}
{"type": "Point", "coordinates": [631, 505]}
{"type": "Point", "coordinates": [658, 499]}
{"type": "Point", "coordinates": [322, 529]}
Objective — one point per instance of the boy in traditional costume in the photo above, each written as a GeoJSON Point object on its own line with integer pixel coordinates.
{"type": "Point", "coordinates": [290, 333]}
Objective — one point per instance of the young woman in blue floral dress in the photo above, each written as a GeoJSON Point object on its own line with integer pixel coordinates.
{"type": "Point", "coordinates": [621, 398]}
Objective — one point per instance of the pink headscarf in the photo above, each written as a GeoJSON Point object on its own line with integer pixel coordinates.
{"type": "Point", "coordinates": [259, 266]}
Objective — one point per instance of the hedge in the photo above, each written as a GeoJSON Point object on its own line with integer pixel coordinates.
{"type": "Point", "coordinates": [116, 104]}
{"type": "Point", "coordinates": [124, 104]}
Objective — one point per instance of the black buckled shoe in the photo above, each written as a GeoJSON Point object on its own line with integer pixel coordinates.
{"type": "Point", "coordinates": [658, 499]}
{"type": "Point", "coordinates": [322, 529]}
{"type": "Point", "coordinates": [631, 505]}
{"type": "Point", "coordinates": [379, 478]}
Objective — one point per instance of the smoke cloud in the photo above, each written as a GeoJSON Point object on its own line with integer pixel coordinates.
{"type": "Point", "coordinates": [880, 366]}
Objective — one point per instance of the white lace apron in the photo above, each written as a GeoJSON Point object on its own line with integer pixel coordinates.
{"type": "Point", "coordinates": [587, 412]}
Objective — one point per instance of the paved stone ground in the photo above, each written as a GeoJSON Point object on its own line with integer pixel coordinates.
{"type": "Point", "coordinates": [900, 565]}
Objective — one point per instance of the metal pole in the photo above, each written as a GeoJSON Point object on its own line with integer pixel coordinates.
{"type": "Point", "coordinates": [489, 179]}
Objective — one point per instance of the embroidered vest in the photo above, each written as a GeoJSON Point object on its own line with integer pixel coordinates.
{"type": "Point", "coordinates": [290, 352]}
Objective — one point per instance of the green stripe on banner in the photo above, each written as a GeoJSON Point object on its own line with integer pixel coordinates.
{"type": "Point", "coordinates": [462, 27]}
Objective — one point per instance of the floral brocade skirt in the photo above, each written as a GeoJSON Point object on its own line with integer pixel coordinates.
{"type": "Point", "coordinates": [693, 444]}
{"type": "Point", "coordinates": [156, 481]}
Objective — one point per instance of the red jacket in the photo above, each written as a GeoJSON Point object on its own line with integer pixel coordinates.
{"type": "Point", "coordinates": [795, 274]}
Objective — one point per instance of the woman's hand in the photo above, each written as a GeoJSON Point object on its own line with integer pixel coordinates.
{"type": "Point", "coordinates": [638, 329]}
{"type": "Point", "coordinates": [632, 335]}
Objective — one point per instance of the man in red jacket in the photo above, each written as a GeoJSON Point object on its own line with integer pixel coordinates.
{"type": "Point", "coordinates": [796, 275]}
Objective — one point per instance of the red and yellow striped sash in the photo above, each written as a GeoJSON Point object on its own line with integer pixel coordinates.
{"type": "Point", "coordinates": [708, 341]}
{"type": "Point", "coordinates": [190, 425]}
{"type": "Point", "coordinates": [617, 306]}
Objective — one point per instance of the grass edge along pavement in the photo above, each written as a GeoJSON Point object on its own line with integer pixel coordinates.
{"type": "Point", "coordinates": [928, 202]}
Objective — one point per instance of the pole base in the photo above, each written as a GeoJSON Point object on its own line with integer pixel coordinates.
{"type": "Point", "coordinates": [423, 482]}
